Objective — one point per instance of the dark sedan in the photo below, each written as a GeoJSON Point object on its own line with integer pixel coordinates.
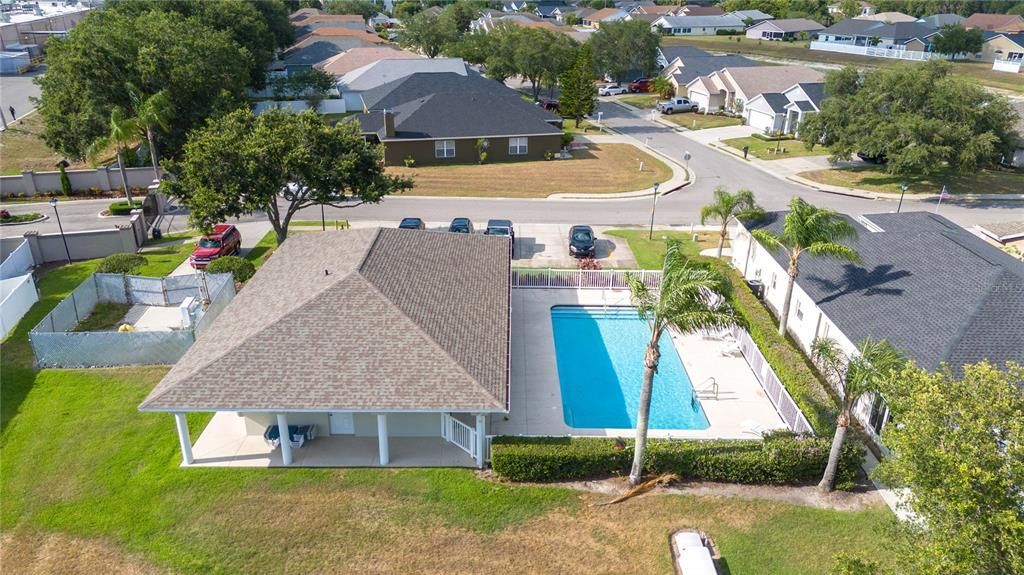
{"type": "Point", "coordinates": [461, 226]}
{"type": "Point", "coordinates": [581, 242]}
{"type": "Point", "coordinates": [412, 224]}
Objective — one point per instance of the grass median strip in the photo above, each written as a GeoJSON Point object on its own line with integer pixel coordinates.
{"type": "Point", "coordinates": [604, 168]}
{"type": "Point", "coordinates": [873, 178]}
{"type": "Point", "coordinates": [776, 150]}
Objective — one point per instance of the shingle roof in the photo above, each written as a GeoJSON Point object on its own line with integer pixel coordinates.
{"type": "Point", "coordinates": [903, 31]}
{"type": "Point", "coordinates": [852, 27]}
{"type": "Point", "coordinates": [725, 21]}
{"type": "Point", "coordinates": [776, 101]}
{"type": "Point", "coordinates": [888, 17]}
{"type": "Point", "coordinates": [356, 58]}
{"type": "Point", "coordinates": [381, 72]}
{"type": "Point", "coordinates": [790, 25]}
{"type": "Point", "coordinates": [684, 52]}
{"type": "Point", "coordinates": [755, 15]}
{"type": "Point", "coordinates": [701, 10]}
{"type": "Point", "coordinates": [940, 20]}
{"type": "Point", "coordinates": [694, 67]}
{"type": "Point", "coordinates": [757, 80]}
{"type": "Point", "coordinates": [990, 21]}
{"type": "Point", "coordinates": [405, 320]}
{"type": "Point", "coordinates": [934, 290]}
{"type": "Point", "coordinates": [815, 91]}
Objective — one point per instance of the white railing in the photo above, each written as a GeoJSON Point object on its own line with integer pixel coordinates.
{"type": "Point", "coordinates": [459, 434]}
{"type": "Point", "coordinates": [897, 53]}
{"type": "Point", "coordinates": [582, 279]}
{"type": "Point", "coordinates": [773, 388]}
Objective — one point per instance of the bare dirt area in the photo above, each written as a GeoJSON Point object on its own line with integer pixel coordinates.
{"type": "Point", "coordinates": [57, 554]}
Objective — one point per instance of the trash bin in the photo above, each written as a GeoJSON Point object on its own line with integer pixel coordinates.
{"type": "Point", "coordinates": [157, 234]}
{"type": "Point", "coordinates": [745, 150]}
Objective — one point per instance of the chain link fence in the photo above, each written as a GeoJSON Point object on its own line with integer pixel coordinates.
{"type": "Point", "coordinates": [55, 345]}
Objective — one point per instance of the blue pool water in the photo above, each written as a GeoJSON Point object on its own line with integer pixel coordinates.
{"type": "Point", "coordinates": [600, 354]}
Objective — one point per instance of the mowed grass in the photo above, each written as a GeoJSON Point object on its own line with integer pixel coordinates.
{"type": "Point", "coordinates": [767, 150]}
{"type": "Point", "coordinates": [980, 71]}
{"type": "Point", "coordinates": [162, 260]}
{"type": "Point", "coordinates": [605, 168]}
{"type": "Point", "coordinates": [650, 254]}
{"type": "Point", "coordinates": [569, 126]}
{"type": "Point", "coordinates": [696, 121]}
{"type": "Point", "coordinates": [22, 148]}
{"type": "Point", "coordinates": [875, 179]}
{"type": "Point", "coordinates": [263, 249]}
{"type": "Point", "coordinates": [644, 101]}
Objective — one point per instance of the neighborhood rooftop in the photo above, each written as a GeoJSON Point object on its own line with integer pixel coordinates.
{"type": "Point", "coordinates": [367, 319]}
{"type": "Point", "coordinates": [934, 290]}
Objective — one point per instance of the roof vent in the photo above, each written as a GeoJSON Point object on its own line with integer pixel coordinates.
{"type": "Point", "coordinates": [870, 225]}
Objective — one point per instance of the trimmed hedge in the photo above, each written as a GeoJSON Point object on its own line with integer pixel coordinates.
{"type": "Point", "coordinates": [122, 208]}
{"type": "Point", "coordinates": [782, 138]}
{"type": "Point", "coordinates": [788, 362]}
{"type": "Point", "coordinates": [121, 263]}
{"type": "Point", "coordinates": [780, 458]}
{"type": "Point", "coordinates": [241, 268]}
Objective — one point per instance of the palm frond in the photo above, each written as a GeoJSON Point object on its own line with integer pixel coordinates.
{"type": "Point", "coordinates": [770, 241]}
{"type": "Point", "coordinates": [834, 250]}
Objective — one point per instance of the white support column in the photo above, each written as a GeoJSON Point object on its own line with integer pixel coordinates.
{"type": "Point", "coordinates": [286, 447]}
{"type": "Point", "coordinates": [481, 438]}
{"type": "Point", "coordinates": [183, 438]}
{"type": "Point", "coordinates": [382, 438]}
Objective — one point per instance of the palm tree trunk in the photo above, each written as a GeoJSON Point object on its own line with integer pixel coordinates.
{"type": "Point", "coordinates": [829, 478]}
{"type": "Point", "coordinates": [152, 154]}
{"type": "Point", "coordinates": [651, 358]}
{"type": "Point", "coordinates": [784, 317]}
{"type": "Point", "coordinates": [721, 238]}
{"type": "Point", "coordinates": [124, 175]}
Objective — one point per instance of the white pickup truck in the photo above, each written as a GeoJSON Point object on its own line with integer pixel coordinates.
{"type": "Point", "coordinates": [676, 105]}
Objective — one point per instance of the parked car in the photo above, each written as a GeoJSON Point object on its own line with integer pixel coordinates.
{"type": "Point", "coordinates": [611, 90]}
{"type": "Point", "coordinates": [224, 240]}
{"type": "Point", "coordinates": [676, 105]}
{"type": "Point", "coordinates": [879, 159]}
{"type": "Point", "coordinates": [412, 224]}
{"type": "Point", "coordinates": [500, 228]}
{"type": "Point", "coordinates": [581, 242]}
{"type": "Point", "coordinates": [642, 84]}
{"type": "Point", "coordinates": [461, 226]}
{"type": "Point", "coordinates": [548, 104]}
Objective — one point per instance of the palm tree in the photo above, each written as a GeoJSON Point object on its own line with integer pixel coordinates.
{"type": "Point", "coordinates": [875, 363]}
{"type": "Point", "coordinates": [727, 208]}
{"type": "Point", "coordinates": [152, 114]}
{"type": "Point", "coordinates": [808, 229]}
{"type": "Point", "coordinates": [123, 132]}
{"type": "Point", "coordinates": [692, 297]}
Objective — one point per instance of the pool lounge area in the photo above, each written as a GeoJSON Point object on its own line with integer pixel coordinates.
{"type": "Point", "coordinates": [739, 411]}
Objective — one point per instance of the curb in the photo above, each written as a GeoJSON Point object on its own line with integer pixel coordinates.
{"type": "Point", "coordinates": [852, 193]}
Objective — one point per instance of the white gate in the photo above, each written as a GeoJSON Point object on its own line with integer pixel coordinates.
{"type": "Point", "coordinates": [459, 434]}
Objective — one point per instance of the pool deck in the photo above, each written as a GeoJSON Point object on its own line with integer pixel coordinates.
{"type": "Point", "coordinates": [536, 399]}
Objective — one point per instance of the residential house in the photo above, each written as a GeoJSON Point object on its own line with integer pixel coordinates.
{"type": "Point", "coordinates": [1017, 160]}
{"type": "Point", "coordinates": [695, 10]}
{"type": "Point", "coordinates": [354, 84]}
{"type": "Point", "coordinates": [488, 22]}
{"type": "Point", "coordinates": [322, 44]}
{"type": "Point", "coordinates": [939, 20]}
{"type": "Point", "coordinates": [938, 293]}
{"type": "Point", "coordinates": [683, 70]}
{"type": "Point", "coordinates": [438, 118]}
{"type": "Point", "coordinates": [546, 9]}
{"type": "Point", "coordinates": [888, 17]}
{"type": "Point", "coordinates": [784, 29]}
{"type": "Point", "coordinates": [668, 54]}
{"type": "Point", "coordinates": [1003, 46]}
{"type": "Point", "coordinates": [901, 36]}
{"type": "Point", "coordinates": [356, 58]}
{"type": "Point", "coordinates": [561, 14]}
{"type": "Point", "coordinates": [655, 10]}
{"type": "Point", "coordinates": [595, 19]}
{"type": "Point", "coordinates": [731, 88]}
{"type": "Point", "coordinates": [514, 6]}
{"type": "Point", "coordinates": [866, 8]}
{"type": "Point", "coordinates": [751, 17]}
{"type": "Point", "coordinates": [350, 21]}
{"type": "Point", "coordinates": [782, 112]}
{"type": "Point", "coordinates": [993, 22]}
{"type": "Point", "coordinates": [433, 11]}
{"type": "Point", "coordinates": [280, 357]}
{"type": "Point", "coordinates": [697, 25]}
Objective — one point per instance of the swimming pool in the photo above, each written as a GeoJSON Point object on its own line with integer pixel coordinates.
{"type": "Point", "coordinates": [600, 352]}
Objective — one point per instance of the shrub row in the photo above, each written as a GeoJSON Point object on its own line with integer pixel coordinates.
{"type": "Point", "coordinates": [788, 361]}
{"type": "Point", "coordinates": [780, 458]}
{"type": "Point", "coordinates": [775, 138]}
{"type": "Point", "coordinates": [121, 263]}
{"type": "Point", "coordinates": [122, 208]}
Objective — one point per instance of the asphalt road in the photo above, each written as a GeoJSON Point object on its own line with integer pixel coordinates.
{"type": "Point", "coordinates": [16, 90]}
{"type": "Point", "coordinates": [712, 169]}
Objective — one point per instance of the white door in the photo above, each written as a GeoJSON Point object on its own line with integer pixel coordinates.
{"type": "Point", "coordinates": [761, 121]}
{"type": "Point", "coordinates": [342, 423]}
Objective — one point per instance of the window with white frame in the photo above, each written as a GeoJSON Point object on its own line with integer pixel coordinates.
{"type": "Point", "coordinates": [879, 415]}
{"type": "Point", "coordinates": [517, 146]}
{"type": "Point", "coordinates": [444, 148]}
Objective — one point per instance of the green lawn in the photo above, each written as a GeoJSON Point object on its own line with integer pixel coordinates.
{"type": "Point", "coordinates": [694, 121]}
{"type": "Point", "coordinates": [874, 179]}
{"type": "Point", "coordinates": [767, 150]}
{"type": "Point", "coordinates": [330, 224]}
{"type": "Point", "coordinates": [650, 254]}
{"type": "Point", "coordinates": [585, 127]}
{"type": "Point", "coordinates": [645, 101]}
{"type": "Point", "coordinates": [104, 316]}
{"type": "Point", "coordinates": [173, 237]}
{"type": "Point", "coordinates": [263, 248]}
{"type": "Point", "coordinates": [161, 261]}
{"type": "Point", "coordinates": [80, 462]}
{"type": "Point", "coordinates": [19, 218]}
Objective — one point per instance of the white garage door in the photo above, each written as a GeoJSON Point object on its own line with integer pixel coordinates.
{"type": "Point", "coordinates": [700, 99]}
{"type": "Point", "coordinates": [760, 121]}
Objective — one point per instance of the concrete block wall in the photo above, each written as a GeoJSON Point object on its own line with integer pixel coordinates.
{"type": "Point", "coordinates": [88, 244]}
{"type": "Point", "coordinates": [31, 183]}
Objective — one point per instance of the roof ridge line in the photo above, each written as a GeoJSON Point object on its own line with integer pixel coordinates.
{"type": "Point", "coordinates": [982, 301]}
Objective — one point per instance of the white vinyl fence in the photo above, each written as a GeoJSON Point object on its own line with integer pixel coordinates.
{"type": "Point", "coordinates": [582, 279]}
{"type": "Point", "coordinates": [780, 398]}
{"type": "Point", "coordinates": [876, 51]}
{"type": "Point", "coordinates": [459, 434]}
{"type": "Point", "coordinates": [55, 345]}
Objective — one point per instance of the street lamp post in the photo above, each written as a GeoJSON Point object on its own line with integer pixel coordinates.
{"type": "Point", "coordinates": [53, 204]}
{"type": "Point", "coordinates": [903, 189]}
{"type": "Point", "coordinates": [654, 207]}
{"type": "Point", "coordinates": [323, 220]}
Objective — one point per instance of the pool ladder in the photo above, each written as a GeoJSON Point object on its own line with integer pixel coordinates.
{"type": "Point", "coordinates": [709, 385]}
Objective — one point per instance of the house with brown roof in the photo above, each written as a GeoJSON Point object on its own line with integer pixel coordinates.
{"type": "Point", "coordinates": [993, 22]}
{"type": "Point", "coordinates": [324, 43]}
{"type": "Point", "coordinates": [603, 15]}
{"type": "Point", "coordinates": [367, 347]}
{"type": "Point", "coordinates": [731, 88]}
{"type": "Point", "coordinates": [784, 29]}
{"type": "Point", "coordinates": [888, 17]}
{"type": "Point", "coordinates": [355, 58]}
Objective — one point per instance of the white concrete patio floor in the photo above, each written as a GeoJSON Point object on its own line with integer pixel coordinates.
{"type": "Point", "coordinates": [154, 318]}
{"type": "Point", "coordinates": [224, 443]}
{"type": "Point", "coordinates": [536, 396]}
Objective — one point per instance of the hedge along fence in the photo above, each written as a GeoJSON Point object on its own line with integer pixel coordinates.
{"type": "Point", "coordinates": [777, 459]}
{"type": "Point", "coordinates": [786, 359]}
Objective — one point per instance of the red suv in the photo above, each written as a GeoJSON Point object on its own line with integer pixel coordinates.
{"type": "Point", "coordinates": [225, 240]}
{"type": "Point", "coordinates": [640, 85]}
